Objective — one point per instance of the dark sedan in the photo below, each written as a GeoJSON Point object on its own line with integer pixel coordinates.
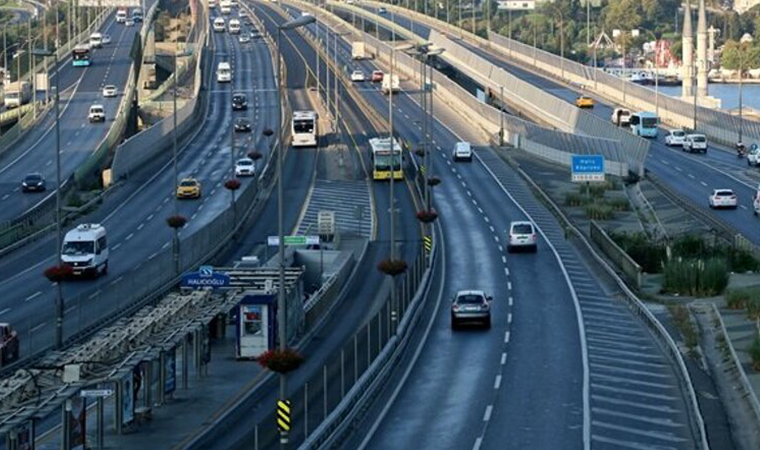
{"type": "Point", "coordinates": [239, 102]}
{"type": "Point", "coordinates": [242, 126]}
{"type": "Point", "coordinates": [34, 182]}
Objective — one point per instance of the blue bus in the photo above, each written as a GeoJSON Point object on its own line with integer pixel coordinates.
{"type": "Point", "coordinates": [644, 124]}
{"type": "Point", "coordinates": [80, 56]}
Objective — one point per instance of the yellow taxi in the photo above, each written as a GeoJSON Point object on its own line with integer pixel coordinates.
{"type": "Point", "coordinates": [189, 188]}
{"type": "Point", "coordinates": [584, 102]}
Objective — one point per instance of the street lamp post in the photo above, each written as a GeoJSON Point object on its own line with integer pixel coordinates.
{"type": "Point", "coordinates": [281, 305]}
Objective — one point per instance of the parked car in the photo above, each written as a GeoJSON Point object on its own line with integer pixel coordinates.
{"type": "Point", "coordinates": [471, 307]}
{"type": "Point", "coordinates": [357, 75]}
{"type": "Point", "coordinates": [675, 138]}
{"type": "Point", "coordinates": [33, 182]}
{"type": "Point", "coordinates": [723, 198]}
{"type": "Point", "coordinates": [522, 236]}
{"type": "Point", "coordinates": [245, 167]}
{"type": "Point", "coordinates": [242, 125]}
{"type": "Point", "coordinates": [695, 143]}
{"type": "Point", "coordinates": [189, 188]}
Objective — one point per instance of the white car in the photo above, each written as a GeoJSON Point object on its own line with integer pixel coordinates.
{"type": "Point", "coordinates": [97, 113]}
{"type": "Point", "coordinates": [675, 138]}
{"type": "Point", "coordinates": [522, 235]}
{"type": "Point", "coordinates": [462, 150]}
{"type": "Point", "coordinates": [109, 91]}
{"type": "Point", "coordinates": [245, 168]}
{"type": "Point", "coordinates": [106, 39]}
{"type": "Point", "coordinates": [357, 75]}
{"type": "Point", "coordinates": [753, 157]}
{"type": "Point", "coordinates": [723, 198]}
{"type": "Point", "coordinates": [695, 143]}
{"type": "Point", "coordinates": [129, 22]}
{"type": "Point", "coordinates": [756, 203]}
{"type": "Point", "coordinates": [244, 38]}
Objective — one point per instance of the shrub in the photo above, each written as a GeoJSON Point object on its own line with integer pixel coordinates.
{"type": "Point", "coordinates": [573, 199]}
{"type": "Point", "coordinates": [754, 353]}
{"type": "Point", "coordinates": [75, 200]}
{"type": "Point", "coordinates": [619, 204]}
{"type": "Point", "coordinates": [392, 267]}
{"type": "Point", "coordinates": [427, 216]}
{"type": "Point", "coordinates": [648, 254]}
{"type": "Point", "coordinates": [690, 246]}
{"type": "Point", "coordinates": [741, 260]}
{"type": "Point", "coordinates": [695, 276]}
{"type": "Point", "coordinates": [682, 321]}
{"type": "Point", "coordinates": [280, 361]}
{"type": "Point", "coordinates": [233, 184]}
{"type": "Point", "coordinates": [433, 181]}
{"type": "Point", "coordinates": [598, 211]}
{"type": "Point", "coordinates": [753, 307]}
{"type": "Point", "coordinates": [58, 273]}
{"type": "Point", "coordinates": [176, 221]}
{"type": "Point", "coordinates": [596, 190]}
{"type": "Point", "coordinates": [737, 298]}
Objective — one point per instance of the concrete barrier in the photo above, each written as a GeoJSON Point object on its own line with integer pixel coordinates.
{"type": "Point", "coordinates": [630, 268]}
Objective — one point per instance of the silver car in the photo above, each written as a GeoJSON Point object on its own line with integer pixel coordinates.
{"type": "Point", "coordinates": [471, 307]}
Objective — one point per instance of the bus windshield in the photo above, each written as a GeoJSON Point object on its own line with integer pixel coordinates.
{"type": "Point", "coordinates": [81, 56]}
{"type": "Point", "coordinates": [303, 126]}
{"type": "Point", "coordinates": [649, 122]}
{"type": "Point", "coordinates": [383, 162]}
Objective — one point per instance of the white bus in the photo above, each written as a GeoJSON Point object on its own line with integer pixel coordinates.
{"type": "Point", "coordinates": [85, 250]}
{"type": "Point", "coordinates": [386, 163]}
{"type": "Point", "coordinates": [304, 129]}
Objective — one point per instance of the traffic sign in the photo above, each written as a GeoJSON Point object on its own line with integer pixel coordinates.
{"type": "Point", "coordinates": [283, 415]}
{"type": "Point", "coordinates": [274, 241]}
{"type": "Point", "coordinates": [205, 277]}
{"type": "Point", "coordinates": [95, 393]}
{"type": "Point", "coordinates": [587, 168]}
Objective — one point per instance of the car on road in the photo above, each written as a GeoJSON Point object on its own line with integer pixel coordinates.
{"type": "Point", "coordinates": [97, 113]}
{"type": "Point", "coordinates": [471, 307]}
{"type": "Point", "coordinates": [245, 167]}
{"type": "Point", "coordinates": [85, 249]}
{"type": "Point", "coordinates": [584, 102]}
{"type": "Point", "coordinates": [33, 182]}
{"type": "Point", "coordinates": [756, 202]}
{"type": "Point", "coordinates": [621, 117]}
{"type": "Point", "coordinates": [675, 138]}
{"type": "Point", "coordinates": [242, 125]}
{"type": "Point", "coordinates": [109, 90]}
{"type": "Point", "coordinates": [522, 236]}
{"type": "Point", "coordinates": [382, 11]}
{"type": "Point", "coordinates": [695, 143]}
{"type": "Point", "coordinates": [723, 198]}
{"type": "Point", "coordinates": [377, 76]}
{"type": "Point", "coordinates": [357, 75]}
{"type": "Point", "coordinates": [239, 102]}
{"type": "Point", "coordinates": [462, 151]}
{"type": "Point", "coordinates": [189, 188]}
{"type": "Point", "coordinates": [244, 38]}
{"type": "Point", "coordinates": [753, 157]}
{"type": "Point", "coordinates": [96, 40]}
{"type": "Point", "coordinates": [129, 22]}
{"type": "Point", "coordinates": [106, 39]}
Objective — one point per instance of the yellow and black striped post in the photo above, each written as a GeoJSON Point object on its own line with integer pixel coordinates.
{"type": "Point", "coordinates": [428, 242]}
{"type": "Point", "coordinates": [283, 416]}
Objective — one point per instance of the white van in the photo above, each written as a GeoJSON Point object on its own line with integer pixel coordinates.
{"type": "Point", "coordinates": [223, 72]}
{"type": "Point", "coordinates": [121, 15]}
{"type": "Point", "coordinates": [85, 249]}
{"type": "Point", "coordinates": [462, 150]}
{"type": "Point", "coordinates": [219, 25]}
{"type": "Point", "coordinates": [97, 113]}
{"type": "Point", "coordinates": [225, 8]}
{"type": "Point", "coordinates": [234, 26]}
{"type": "Point", "coordinates": [96, 40]}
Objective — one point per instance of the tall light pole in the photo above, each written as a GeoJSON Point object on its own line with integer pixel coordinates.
{"type": "Point", "coordinates": [59, 289]}
{"type": "Point", "coordinates": [656, 76]}
{"type": "Point", "coordinates": [281, 305]}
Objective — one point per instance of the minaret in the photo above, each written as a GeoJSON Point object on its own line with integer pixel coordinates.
{"type": "Point", "coordinates": [702, 51]}
{"type": "Point", "coordinates": [712, 31]}
{"type": "Point", "coordinates": [688, 52]}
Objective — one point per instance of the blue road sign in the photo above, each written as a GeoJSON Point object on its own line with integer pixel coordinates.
{"type": "Point", "coordinates": [587, 168]}
{"type": "Point", "coordinates": [205, 277]}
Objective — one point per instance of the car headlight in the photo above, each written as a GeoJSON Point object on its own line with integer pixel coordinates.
{"type": "Point", "coordinates": [23, 183]}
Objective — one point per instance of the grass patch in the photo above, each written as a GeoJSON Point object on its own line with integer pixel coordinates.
{"type": "Point", "coordinates": [573, 199]}
{"type": "Point", "coordinates": [619, 204]}
{"type": "Point", "coordinates": [648, 254]}
{"type": "Point", "coordinates": [599, 211]}
{"type": "Point", "coordinates": [697, 277]}
{"type": "Point", "coordinates": [754, 353]}
{"type": "Point", "coordinates": [682, 321]}
{"type": "Point", "coordinates": [737, 298]}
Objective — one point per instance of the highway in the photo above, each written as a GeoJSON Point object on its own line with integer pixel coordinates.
{"type": "Point", "coordinates": [80, 88]}
{"type": "Point", "coordinates": [135, 216]}
{"type": "Point", "coordinates": [520, 385]}
{"type": "Point", "coordinates": [692, 176]}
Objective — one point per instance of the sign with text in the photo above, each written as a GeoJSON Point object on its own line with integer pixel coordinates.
{"type": "Point", "coordinates": [274, 241]}
{"type": "Point", "coordinates": [205, 277]}
{"type": "Point", "coordinates": [110, 3]}
{"type": "Point", "coordinates": [586, 168]}
{"type": "Point", "coordinates": [95, 393]}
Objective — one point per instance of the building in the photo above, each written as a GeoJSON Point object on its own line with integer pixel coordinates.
{"type": "Point", "coordinates": [742, 6]}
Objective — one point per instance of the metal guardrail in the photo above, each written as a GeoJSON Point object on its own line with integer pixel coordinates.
{"type": "Point", "coordinates": [630, 268]}
{"type": "Point", "coordinates": [638, 308]}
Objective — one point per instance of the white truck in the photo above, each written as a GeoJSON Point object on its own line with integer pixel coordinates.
{"type": "Point", "coordinates": [17, 94]}
{"type": "Point", "coordinates": [358, 50]}
{"type": "Point", "coordinates": [621, 117]}
{"type": "Point", "coordinates": [390, 84]}
{"type": "Point", "coordinates": [85, 250]}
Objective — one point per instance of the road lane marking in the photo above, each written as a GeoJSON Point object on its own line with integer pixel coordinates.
{"type": "Point", "coordinates": [503, 358]}
{"type": "Point", "coordinates": [478, 443]}
{"type": "Point", "coordinates": [691, 176]}
{"type": "Point", "coordinates": [742, 207]}
{"type": "Point", "coordinates": [511, 300]}
{"type": "Point", "coordinates": [33, 296]}
{"type": "Point", "coordinates": [509, 318]}
{"type": "Point", "coordinates": [504, 260]}
{"type": "Point", "coordinates": [506, 337]}
{"type": "Point", "coordinates": [703, 183]}
{"type": "Point", "coordinates": [4, 311]}
{"type": "Point", "coordinates": [497, 382]}
{"type": "Point", "coordinates": [487, 414]}
{"type": "Point", "coordinates": [509, 285]}
{"type": "Point", "coordinates": [129, 236]}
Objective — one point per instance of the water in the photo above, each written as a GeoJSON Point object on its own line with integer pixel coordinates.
{"type": "Point", "coordinates": [728, 93]}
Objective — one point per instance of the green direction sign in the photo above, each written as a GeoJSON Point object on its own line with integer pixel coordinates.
{"type": "Point", "coordinates": [274, 241]}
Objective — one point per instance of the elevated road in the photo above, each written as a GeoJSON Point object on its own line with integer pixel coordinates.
{"type": "Point", "coordinates": [80, 88]}
{"type": "Point", "coordinates": [135, 218]}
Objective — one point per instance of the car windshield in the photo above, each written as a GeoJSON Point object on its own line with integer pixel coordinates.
{"type": "Point", "coordinates": [187, 183]}
{"type": "Point", "coordinates": [238, 98]}
{"type": "Point", "coordinates": [699, 139]}
{"type": "Point", "coordinates": [724, 193]}
{"type": "Point", "coordinates": [245, 162]}
{"type": "Point", "coordinates": [678, 134]}
{"type": "Point", "coordinates": [34, 177]}
{"type": "Point", "coordinates": [522, 228]}
{"type": "Point", "coordinates": [471, 299]}
{"type": "Point", "coordinates": [242, 122]}
{"type": "Point", "coordinates": [78, 248]}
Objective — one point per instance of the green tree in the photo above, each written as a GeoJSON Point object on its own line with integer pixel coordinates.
{"type": "Point", "coordinates": [622, 14]}
{"type": "Point", "coordinates": [740, 56]}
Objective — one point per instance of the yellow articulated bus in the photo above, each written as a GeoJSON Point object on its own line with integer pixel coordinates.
{"type": "Point", "coordinates": [385, 162]}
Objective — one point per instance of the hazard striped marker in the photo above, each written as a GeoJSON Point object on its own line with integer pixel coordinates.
{"type": "Point", "coordinates": [283, 415]}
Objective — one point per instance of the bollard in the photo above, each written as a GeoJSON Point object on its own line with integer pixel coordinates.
{"type": "Point", "coordinates": [324, 391]}
{"type": "Point", "coordinates": [342, 374]}
{"type": "Point", "coordinates": [185, 357]}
